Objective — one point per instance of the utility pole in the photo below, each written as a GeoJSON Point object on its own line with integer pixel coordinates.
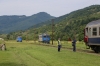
{"type": "Point", "coordinates": [27, 36]}
{"type": "Point", "coordinates": [52, 30]}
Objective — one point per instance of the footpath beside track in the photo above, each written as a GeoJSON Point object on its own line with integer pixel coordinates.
{"type": "Point", "coordinates": [78, 50]}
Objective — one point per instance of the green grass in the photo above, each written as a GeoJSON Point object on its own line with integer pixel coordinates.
{"type": "Point", "coordinates": [34, 54]}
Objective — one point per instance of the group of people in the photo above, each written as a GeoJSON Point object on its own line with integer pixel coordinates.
{"type": "Point", "coordinates": [73, 44]}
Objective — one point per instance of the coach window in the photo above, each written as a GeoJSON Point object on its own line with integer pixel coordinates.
{"type": "Point", "coordinates": [94, 31]}
{"type": "Point", "coordinates": [99, 30]}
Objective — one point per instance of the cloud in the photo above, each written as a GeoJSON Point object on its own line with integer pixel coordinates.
{"type": "Point", "coordinates": [53, 7]}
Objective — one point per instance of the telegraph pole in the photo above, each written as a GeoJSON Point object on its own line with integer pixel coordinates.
{"type": "Point", "coordinates": [27, 36]}
{"type": "Point", "coordinates": [52, 30]}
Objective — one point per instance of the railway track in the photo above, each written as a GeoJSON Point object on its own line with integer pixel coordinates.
{"type": "Point", "coordinates": [77, 49]}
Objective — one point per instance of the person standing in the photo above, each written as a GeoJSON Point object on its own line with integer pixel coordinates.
{"type": "Point", "coordinates": [3, 47]}
{"type": "Point", "coordinates": [59, 45]}
{"type": "Point", "coordinates": [74, 44]}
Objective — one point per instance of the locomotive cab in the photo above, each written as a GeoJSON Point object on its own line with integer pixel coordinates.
{"type": "Point", "coordinates": [92, 35]}
{"type": "Point", "coordinates": [45, 38]}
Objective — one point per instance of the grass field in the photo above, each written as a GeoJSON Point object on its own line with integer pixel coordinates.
{"type": "Point", "coordinates": [29, 53]}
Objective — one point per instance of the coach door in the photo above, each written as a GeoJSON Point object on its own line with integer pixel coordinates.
{"type": "Point", "coordinates": [89, 32]}
{"type": "Point", "coordinates": [86, 32]}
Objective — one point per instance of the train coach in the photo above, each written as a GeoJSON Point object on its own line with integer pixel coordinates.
{"type": "Point", "coordinates": [92, 35]}
{"type": "Point", "coordinates": [45, 38]}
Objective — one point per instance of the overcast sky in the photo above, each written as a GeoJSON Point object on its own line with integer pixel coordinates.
{"type": "Point", "coordinates": [53, 7]}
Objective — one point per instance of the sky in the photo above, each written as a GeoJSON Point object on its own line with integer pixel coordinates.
{"type": "Point", "coordinates": [53, 7]}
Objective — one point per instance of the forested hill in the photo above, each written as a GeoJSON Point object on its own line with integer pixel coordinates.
{"type": "Point", "coordinates": [14, 22]}
{"type": "Point", "coordinates": [66, 26]}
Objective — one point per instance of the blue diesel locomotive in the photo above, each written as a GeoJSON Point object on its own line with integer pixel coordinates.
{"type": "Point", "coordinates": [19, 39]}
{"type": "Point", "coordinates": [92, 35]}
{"type": "Point", "coordinates": [45, 38]}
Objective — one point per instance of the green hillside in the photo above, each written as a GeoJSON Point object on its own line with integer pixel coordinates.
{"type": "Point", "coordinates": [14, 23]}
{"type": "Point", "coordinates": [67, 26]}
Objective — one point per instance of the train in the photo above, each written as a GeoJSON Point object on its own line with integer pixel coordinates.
{"type": "Point", "coordinates": [45, 38]}
{"type": "Point", "coordinates": [19, 39]}
{"type": "Point", "coordinates": [92, 35]}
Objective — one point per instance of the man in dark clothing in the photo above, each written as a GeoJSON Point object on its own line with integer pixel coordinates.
{"type": "Point", "coordinates": [74, 44]}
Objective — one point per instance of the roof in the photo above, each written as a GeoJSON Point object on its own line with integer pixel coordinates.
{"type": "Point", "coordinates": [96, 22]}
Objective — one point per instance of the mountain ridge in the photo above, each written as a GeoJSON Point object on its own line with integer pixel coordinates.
{"type": "Point", "coordinates": [66, 26]}
{"type": "Point", "coordinates": [70, 25]}
{"type": "Point", "coordinates": [14, 22]}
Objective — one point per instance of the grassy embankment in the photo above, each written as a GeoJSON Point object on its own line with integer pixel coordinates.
{"type": "Point", "coordinates": [30, 54]}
